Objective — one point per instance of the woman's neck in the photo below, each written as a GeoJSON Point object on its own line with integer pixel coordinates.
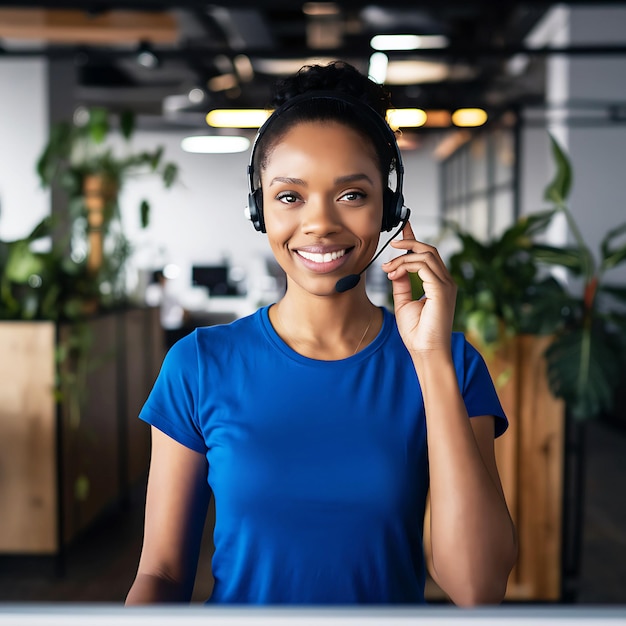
{"type": "Point", "coordinates": [326, 327]}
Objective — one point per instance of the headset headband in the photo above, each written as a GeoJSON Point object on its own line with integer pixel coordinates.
{"type": "Point", "coordinates": [377, 121]}
{"type": "Point", "coordinates": [392, 214]}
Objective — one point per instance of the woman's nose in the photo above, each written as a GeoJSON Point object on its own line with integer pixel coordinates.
{"type": "Point", "coordinates": [320, 216]}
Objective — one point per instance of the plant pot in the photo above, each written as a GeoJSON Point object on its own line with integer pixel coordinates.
{"type": "Point", "coordinates": [100, 192]}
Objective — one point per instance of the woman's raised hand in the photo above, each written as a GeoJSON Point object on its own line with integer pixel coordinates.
{"type": "Point", "coordinates": [425, 325]}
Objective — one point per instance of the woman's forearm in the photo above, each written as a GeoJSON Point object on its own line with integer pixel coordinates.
{"type": "Point", "coordinates": [473, 538]}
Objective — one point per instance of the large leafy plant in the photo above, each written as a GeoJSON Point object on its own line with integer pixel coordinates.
{"type": "Point", "coordinates": [587, 357]}
{"type": "Point", "coordinates": [95, 145]}
{"type": "Point", "coordinates": [42, 285]}
{"type": "Point", "coordinates": [85, 146]}
{"type": "Point", "coordinates": [501, 289]}
{"type": "Point", "coordinates": [506, 287]}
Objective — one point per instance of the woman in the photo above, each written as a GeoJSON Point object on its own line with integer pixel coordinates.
{"type": "Point", "coordinates": [320, 423]}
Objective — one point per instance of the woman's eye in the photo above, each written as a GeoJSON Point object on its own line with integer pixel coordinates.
{"type": "Point", "coordinates": [353, 196]}
{"type": "Point", "coordinates": [287, 198]}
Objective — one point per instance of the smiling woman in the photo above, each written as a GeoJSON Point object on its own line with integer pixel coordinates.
{"type": "Point", "coordinates": [320, 423]}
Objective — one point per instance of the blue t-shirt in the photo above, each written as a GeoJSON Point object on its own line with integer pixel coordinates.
{"type": "Point", "coordinates": [318, 468]}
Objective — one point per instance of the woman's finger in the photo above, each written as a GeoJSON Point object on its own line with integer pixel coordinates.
{"type": "Point", "coordinates": [414, 262]}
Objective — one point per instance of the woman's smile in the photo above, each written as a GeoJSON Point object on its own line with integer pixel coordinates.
{"type": "Point", "coordinates": [323, 259]}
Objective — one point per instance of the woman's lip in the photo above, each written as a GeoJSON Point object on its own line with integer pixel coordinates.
{"type": "Point", "coordinates": [325, 266]}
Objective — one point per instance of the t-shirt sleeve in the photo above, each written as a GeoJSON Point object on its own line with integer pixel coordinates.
{"type": "Point", "coordinates": [172, 404]}
{"type": "Point", "coordinates": [479, 392]}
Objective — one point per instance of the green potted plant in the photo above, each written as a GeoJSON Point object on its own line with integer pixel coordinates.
{"type": "Point", "coordinates": [588, 354]}
{"type": "Point", "coordinates": [502, 291]}
{"type": "Point", "coordinates": [556, 350]}
{"type": "Point", "coordinates": [37, 285]}
{"type": "Point", "coordinates": [506, 289]}
{"type": "Point", "coordinates": [83, 159]}
{"type": "Point", "coordinates": [58, 284]}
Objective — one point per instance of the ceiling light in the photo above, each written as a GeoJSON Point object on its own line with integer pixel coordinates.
{"type": "Point", "coordinates": [414, 72]}
{"type": "Point", "coordinates": [469, 117]}
{"type": "Point", "coordinates": [408, 42]}
{"type": "Point", "coordinates": [378, 67]}
{"type": "Point", "coordinates": [196, 95]}
{"type": "Point", "coordinates": [406, 118]}
{"type": "Point", "coordinates": [237, 118]}
{"type": "Point", "coordinates": [146, 56]}
{"type": "Point", "coordinates": [213, 144]}
{"type": "Point", "coordinates": [285, 67]}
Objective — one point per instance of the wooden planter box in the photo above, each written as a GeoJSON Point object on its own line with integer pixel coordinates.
{"type": "Point", "coordinates": [531, 462]}
{"type": "Point", "coordinates": [59, 474]}
{"type": "Point", "coordinates": [530, 458]}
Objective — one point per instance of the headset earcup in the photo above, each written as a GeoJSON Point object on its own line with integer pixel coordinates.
{"type": "Point", "coordinates": [393, 202]}
{"type": "Point", "coordinates": [255, 209]}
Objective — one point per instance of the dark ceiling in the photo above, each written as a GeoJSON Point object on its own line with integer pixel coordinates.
{"type": "Point", "coordinates": [227, 51]}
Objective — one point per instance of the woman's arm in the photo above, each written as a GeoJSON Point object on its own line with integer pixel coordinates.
{"type": "Point", "coordinates": [176, 507]}
{"type": "Point", "coordinates": [473, 539]}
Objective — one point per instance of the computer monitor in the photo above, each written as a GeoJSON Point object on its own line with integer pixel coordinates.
{"type": "Point", "coordinates": [214, 278]}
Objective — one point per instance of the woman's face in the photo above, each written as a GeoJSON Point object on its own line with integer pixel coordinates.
{"type": "Point", "coordinates": [322, 203]}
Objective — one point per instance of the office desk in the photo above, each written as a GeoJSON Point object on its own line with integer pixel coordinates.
{"type": "Point", "coordinates": [94, 615]}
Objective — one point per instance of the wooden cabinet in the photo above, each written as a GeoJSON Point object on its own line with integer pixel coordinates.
{"type": "Point", "coordinates": [531, 458]}
{"type": "Point", "coordinates": [61, 468]}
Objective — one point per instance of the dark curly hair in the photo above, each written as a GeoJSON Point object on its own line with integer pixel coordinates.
{"type": "Point", "coordinates": [341, 78]}
{"type": "Point", "coordinates": [337, 76]}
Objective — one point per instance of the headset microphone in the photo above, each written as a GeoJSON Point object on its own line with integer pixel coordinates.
{"type": "Point", "coordinates": [352, 280]}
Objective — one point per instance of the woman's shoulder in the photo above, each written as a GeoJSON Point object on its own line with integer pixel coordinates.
{"type": "Point", "coordinates": [240, 331]}
{"type": "Point", "coordinates": [463, 351]}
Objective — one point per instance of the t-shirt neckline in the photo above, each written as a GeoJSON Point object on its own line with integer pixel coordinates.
{"type": "Point", "coordinates": [364, 353]}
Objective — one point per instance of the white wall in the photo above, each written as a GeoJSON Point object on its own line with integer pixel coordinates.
{"type": "Point", "coordinates": [200, 220]}
{"type": "Point", "coordinates": [23, 127]}
{"type": "Point", "coordinates": [597, 152]}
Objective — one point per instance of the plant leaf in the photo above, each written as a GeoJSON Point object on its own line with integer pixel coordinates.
{"type": "Point", "coordinates": [558, 190]}
{"type": "Point", "coordinates": [43, 229]}
{"type": "Point", "coordinates": [584, 370]}
{"type": "Point", "coordinates": [98, 125]}
{"type": "Point", "coordinates": [155, 158]}
{"type": "Point", "coordinates": [611, 257]}
{"type": "Point", "coordinates": [144, 212]}
{"type": "Point", "coordinates": [22, 263]}
{"type": "Point", "coordinates": [525, 228]}
{"type": "Point", "coordinates": [127, 124]}
{"type": "Point", "coordinates": [170, 174]}
{"type": "Point", "coordinates": [56, 151]}
{"type": "Point", "coordinates": [617, 291]}
{"type": "Point", "coordinates": [569, 257]}
{"type": "Point", "coordinates": [548, 307]}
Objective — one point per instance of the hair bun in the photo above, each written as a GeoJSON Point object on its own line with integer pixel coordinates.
{"type": "Point", "coordinates": [337, 76]}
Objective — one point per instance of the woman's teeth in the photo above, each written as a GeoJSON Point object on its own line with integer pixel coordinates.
{"type": "Point", "coordinates": [322, 258]}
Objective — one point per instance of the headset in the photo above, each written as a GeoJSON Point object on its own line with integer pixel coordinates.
{"type": "Point", "coordinates": [394, 211]}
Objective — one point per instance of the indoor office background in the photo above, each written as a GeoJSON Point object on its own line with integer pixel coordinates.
{"type": "Point", "coordinates": [483, 178]}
